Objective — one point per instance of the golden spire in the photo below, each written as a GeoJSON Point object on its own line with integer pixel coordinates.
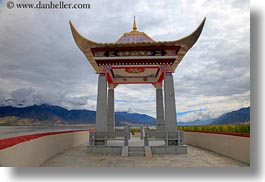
{"type": "Point", "coordinates": [134, 25]}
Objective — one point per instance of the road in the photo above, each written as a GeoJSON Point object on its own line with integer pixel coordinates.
{"type": "Point", "coordinates": [12, 131]}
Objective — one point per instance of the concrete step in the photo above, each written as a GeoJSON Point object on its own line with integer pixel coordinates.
{"type": "Point", "coordinates": [136, 148]}
{"type": "Point", "coordinates": [136, 154]}
{"type": "Point", "coordinates": [136, 151]}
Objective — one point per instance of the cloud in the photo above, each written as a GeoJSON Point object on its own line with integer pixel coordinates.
{"type": "Point", "coordinates": [29, 96]}
{"type": "Point", "coordinates": [192, 116]}
{"type": "Point", "coordinates": [179, 114]}
{"type": "Point", "coordinates": [40, 63]}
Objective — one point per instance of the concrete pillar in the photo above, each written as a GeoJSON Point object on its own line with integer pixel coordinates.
{"type": "Point", "coordinates": [142, 132]}
{"type": "Point", "coordinates": [101, 114]}
{"type": "Point", "coordinates": [111, 115]}
{"type": "Point", "coordinates": [170, 106]}
{"type": "Point", "coordinates": [160, 120]}
{"type": "Point", "coordinates": [126, 135]}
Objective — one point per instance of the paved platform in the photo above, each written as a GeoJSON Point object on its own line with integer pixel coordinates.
{"type": "Point", "coordinates": [196, 157]}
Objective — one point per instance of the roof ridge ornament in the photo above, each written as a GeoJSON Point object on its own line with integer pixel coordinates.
{"type": "Point", "coordinates": [134, 24]}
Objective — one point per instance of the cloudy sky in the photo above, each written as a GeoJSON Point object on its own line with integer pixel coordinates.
{"type": "Point", "coordinates": [40, 62]}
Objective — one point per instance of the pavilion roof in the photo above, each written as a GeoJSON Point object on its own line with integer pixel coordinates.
{"type": "Point", "coordinates": [136, 39]}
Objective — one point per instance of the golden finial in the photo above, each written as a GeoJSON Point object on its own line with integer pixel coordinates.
{"type": "Point", "coordinates": [134, 25]}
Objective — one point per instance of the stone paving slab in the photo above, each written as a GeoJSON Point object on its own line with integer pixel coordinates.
{"type": "Point", "coordinates": [196, 157]}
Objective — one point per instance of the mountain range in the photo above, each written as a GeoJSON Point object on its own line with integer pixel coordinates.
{"type": "Point", "coordinates": [54, 115]}
{"type": "Point", "coordinates": [239, 116]}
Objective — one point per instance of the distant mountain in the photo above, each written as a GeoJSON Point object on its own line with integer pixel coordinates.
{"type": "Point", "coordinates": [133, 118]}
{"type": "Point", "coordinates": [17, 121]}
{"type": "Point", "coordinates": [239, 116]}
{"type": "Point", "coordinates": [196, 122]}
{"type": "Point", "coordinates": [50, 113]}
{"type": "Point", "coordinates": [54, 115]}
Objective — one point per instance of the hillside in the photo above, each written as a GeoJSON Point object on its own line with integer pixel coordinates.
{"type": "Point", "coordinates": [133, 118]}
{"type": "Point", "coordinates": [17, 121]}
{"type": "Point", "coordinates": [53, 115]}
{"type": "Point", "coordinates": [239, 116]}
{"type": "Point", "coordinates": [196, 122]}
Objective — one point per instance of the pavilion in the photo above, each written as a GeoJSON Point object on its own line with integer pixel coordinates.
{"type": "Point", "coordinates": [135, 58]}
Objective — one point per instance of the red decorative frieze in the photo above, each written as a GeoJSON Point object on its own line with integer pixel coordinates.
{"type": "Point", "coordinates": [166, 68]}
{"type": "Point", "coordinates": [119, 62]}
{"type": "Point", "coordinates": [136, 51]}
{"type": "Point", "coordinates": [134, 70]}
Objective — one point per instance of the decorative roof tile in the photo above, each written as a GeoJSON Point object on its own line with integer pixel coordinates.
{"type": "Point", "coordinates": [134, 36]}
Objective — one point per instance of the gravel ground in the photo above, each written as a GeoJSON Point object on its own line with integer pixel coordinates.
{"type": "Point", "coordinates": [196, 157]}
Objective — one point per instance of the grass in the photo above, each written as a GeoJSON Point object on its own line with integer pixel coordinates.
{"type": "Point", "coordinates": [135, 130]}
{"type": "Point", "coordinates": [230, 128]}
{"type": "Point", "coordinates": [5, 124]}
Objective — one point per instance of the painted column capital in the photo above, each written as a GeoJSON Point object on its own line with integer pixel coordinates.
{"type": "Point", "coordinates": [104, 69]}
{"type": "Point", "coordinates": [168, 73]}
{"type": "Point", "coordinates": [158, 85]}
{"type": "Point", "coordinates": [166, 68]}
{"type": "Point", "coordinates": [112, 85]}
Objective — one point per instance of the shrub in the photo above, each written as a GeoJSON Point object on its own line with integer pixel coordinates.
{"type": "Point", "coordinates": [230, 128]}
